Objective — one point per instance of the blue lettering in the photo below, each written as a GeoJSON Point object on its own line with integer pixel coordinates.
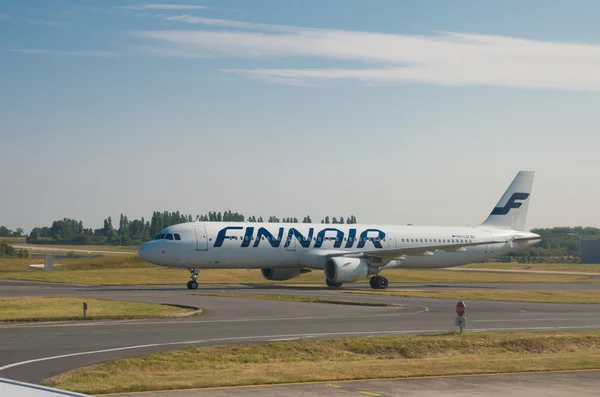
{"type": "Point", "coordinates": [351, 238]}
{"type": "Point", "coordinates": [264, 232]}
{"type": "Point", "coordinates": [375, 240]}
{"type": "Point", "coordinates": [248, 236]}
{"type": "Point", "coordinates": [223, 234]}
{"type": "Point", "coordinates": [304, 241]}
{"type": "Point", "coordinates": [321, 237]}
{"type": "Point", "coordinates": [512, 203]}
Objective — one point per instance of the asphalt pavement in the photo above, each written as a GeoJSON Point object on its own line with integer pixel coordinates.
{"type": "Point", "coordinates": [32, 351]}
{"type": "Point", "coordinates": [553, 384]}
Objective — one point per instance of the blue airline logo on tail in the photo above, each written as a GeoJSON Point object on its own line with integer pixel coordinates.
{"type": "Point", "coordinates": [512, 203]}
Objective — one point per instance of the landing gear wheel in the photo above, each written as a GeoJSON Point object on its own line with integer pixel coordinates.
{"type": "Point", "coordinates": [382, 283]}
{"type": "Point", "coordinates": [372, 282]}
{"type": "Point", "coordinates": [332, 284]}
{"type": "Point", "coordinates": [193, 283]}
{"type": "Point", "coordinates": [378, 282]}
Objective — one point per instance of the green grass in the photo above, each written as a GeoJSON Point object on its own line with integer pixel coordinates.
{"type": "Point", "coordinates": [38, 308]}
{"type": "Point", "coordinates": [136, 272]}
{"type": "Point", "coordinates": [127, 269]}
{"type": "Point", "coordinates": [538, 296]}
{"type": "Point", "coordinates": [297, 298]}
{"type": "Point", "coordinates": [339, 359]}
{"type": "Point", "coordinates": [125, 261]}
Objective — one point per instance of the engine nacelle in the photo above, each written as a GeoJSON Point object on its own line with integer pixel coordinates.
{"type": "Point", "coordinates": [347, 270]}
{"type": "Point", "coordinates": [280, 274]}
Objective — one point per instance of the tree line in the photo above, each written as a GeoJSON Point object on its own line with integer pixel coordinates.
{"type": "Point", "coordinates": [6, 232]}
{"type": "Point", "coordinates": [564, 241]}
{"type": "Point", "coordinates": [136, 231]}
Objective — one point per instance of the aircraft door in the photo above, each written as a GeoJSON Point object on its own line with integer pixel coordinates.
{"type": "Point", "coordinates": [201, 238]}
{"type": "Point", "coordinates": [391, 240]}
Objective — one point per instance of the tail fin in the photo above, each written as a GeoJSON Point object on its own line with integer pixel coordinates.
{"type": "Point", "coordinates": [511, 210]}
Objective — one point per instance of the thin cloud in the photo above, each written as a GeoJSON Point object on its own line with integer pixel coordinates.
{"type": "Point", "coordinates": [445, 58]}
{"type": "Point", "coordinates": [163, 7]}
{"type": "Point", "coordinates": [50, 24]}
{"type": "Point", "coordinates": [226, 23]}
{"type": "Point", "coordinates": [39, 51]}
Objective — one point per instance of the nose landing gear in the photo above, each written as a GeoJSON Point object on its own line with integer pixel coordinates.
{"type": "Point", "coordinates": [193, 283]}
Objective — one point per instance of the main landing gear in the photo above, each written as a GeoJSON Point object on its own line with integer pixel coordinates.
{"type": "Point", "coordinates": [193, 283]}
{"type": "Point", "coordinates": [378, 282]}
{"type": "Point", "coordinates": [332, 284]}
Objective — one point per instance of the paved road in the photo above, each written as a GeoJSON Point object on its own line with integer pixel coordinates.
{"type": "Point", "coordinates": [580, 384]}
{"type": "Point", "coordinates": [42, 248]}
{"type": "Point", "coordinates": [31, 352]}
{"type": "Point", "coordinates": [517, 271]}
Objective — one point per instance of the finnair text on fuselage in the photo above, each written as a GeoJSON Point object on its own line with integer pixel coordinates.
{"type": "Point", "coordinates": [255, 236]}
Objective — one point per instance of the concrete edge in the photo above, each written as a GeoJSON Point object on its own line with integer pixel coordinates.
{"type": "Point", "coordinates": [194, 311]}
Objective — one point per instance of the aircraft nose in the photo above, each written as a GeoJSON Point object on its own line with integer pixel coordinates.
{"type": "Point", "coordinates": [144, 252]}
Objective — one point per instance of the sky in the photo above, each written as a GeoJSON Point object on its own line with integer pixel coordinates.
{"type": "Point", "coordinates": [418, 111]}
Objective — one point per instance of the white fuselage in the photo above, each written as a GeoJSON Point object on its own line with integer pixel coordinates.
{"type": "Point", "coordinates": [229, 245]}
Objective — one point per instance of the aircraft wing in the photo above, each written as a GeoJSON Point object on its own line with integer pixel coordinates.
{"type": "Point", "coordinates": [385, 255]}
{"type": "Point", "coordinates": [20, 389]}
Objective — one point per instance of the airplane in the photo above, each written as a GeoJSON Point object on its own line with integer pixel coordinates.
{"type": "Point", "coordinates": [347, 253]}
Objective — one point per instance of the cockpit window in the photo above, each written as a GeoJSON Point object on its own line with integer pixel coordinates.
{"type": "Point", "coordinates": [177, 236]}
{"type": "Point", "coordinates": [160, 236]}
{"type": "Point", "coordinates": [169, 237]}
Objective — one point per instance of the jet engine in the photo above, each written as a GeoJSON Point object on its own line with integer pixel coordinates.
{"type": "Point", "coordinates": [280, 274]}
{"type": "Point", "coordinates": [347, 270]}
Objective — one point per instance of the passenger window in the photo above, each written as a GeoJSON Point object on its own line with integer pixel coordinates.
{"type": "Point", "coordinates": [177, 236]}
{"type": "Point", "coordinates": [169, 237]}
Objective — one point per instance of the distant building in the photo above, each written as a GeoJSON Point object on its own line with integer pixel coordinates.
{"type": "Point", "coordinates": [590, 251]}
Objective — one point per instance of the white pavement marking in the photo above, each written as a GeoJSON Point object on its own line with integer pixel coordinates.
{"type": "Point", "coordinates": [537, 319]}
{"type": "Point", "coordinates": [424, 309]}
{"type": "Point", "coordinates": [267, 337]}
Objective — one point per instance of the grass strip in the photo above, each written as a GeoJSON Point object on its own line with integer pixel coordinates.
{"type": "Point", "coordinates": [131, 270]}
{"type": "Point", "coordinates": [298, 298]}
{"type": "Point", "coordinates": [536, 296]}
{"type": "Point", "coordinates": [339, 359]}
{"type": "Point", "coordinates": [56, 308]}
